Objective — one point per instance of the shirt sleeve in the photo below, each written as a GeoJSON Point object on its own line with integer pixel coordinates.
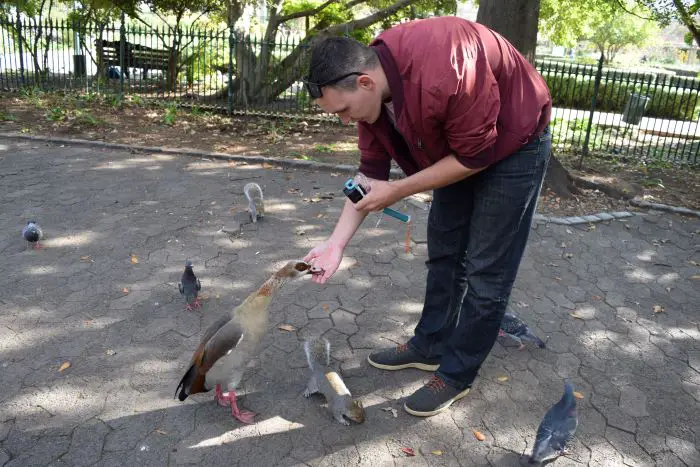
{"type": "Point", "coordinates": [375, 161]}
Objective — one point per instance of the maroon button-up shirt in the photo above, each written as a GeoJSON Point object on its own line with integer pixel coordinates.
{"type": "Point", "coordinates": [458, 88]}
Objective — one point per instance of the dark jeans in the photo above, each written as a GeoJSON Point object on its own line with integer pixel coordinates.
{"type": "Point", "coordinates": [477, 231]}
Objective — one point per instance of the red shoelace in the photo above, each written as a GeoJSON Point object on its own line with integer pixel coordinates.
{"type": "Point", "coordinates": [436, 384]}
{"type": "Point", "coordinates": [401, 348]}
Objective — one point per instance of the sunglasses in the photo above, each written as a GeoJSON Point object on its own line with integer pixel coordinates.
{"type": "Point", "coordinates": [314, 89]}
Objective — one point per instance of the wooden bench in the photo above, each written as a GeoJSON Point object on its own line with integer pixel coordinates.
{"type": "Point", "coordinates": [135, 56]}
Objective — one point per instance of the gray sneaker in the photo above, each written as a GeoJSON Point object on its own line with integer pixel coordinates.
{"type": "Point", "coordinates": [400, 357]}
{"type": "Point", "coordinates": [435, 397]}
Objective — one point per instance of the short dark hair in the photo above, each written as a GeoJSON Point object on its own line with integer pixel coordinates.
{"type": "Point", "coordinates": [337, 56]}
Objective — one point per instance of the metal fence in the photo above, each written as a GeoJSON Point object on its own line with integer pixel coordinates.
{"type": "Point", "coordinates": [648, 116]}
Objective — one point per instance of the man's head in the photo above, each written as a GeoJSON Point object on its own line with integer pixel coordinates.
{"type": "Point", "coordinates": [346, 78]}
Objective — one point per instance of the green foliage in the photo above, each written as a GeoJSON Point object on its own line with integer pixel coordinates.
{"type": "Point", "coordinates": [7, 117]}
{"type": "Point", "coordinates": [86, 118]}
{"type": "Point", "coordinates": [620, 29]}
{"type": "Point", "coordinates": [170, 115]}
{"type": "Point", "coordinates": [576, 92]}
{"type": "Point", "coordinates": [56, 114]}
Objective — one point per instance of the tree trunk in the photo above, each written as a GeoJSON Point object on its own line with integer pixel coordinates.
{"type": "Point", "coordinates": [516, 20]}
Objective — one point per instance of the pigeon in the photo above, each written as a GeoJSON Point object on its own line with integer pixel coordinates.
{"type": "Point", "coordinates": [557, 428]}
{"type": "Point", "coordinates": [32, 233]}
{"type": "Point", "coordinates": [515, 328]}
{"type": "Point", "coordinates": [256, 207]}
{"type": "Point", "coordinates": [229, 344]}
{"type": "Point", "coordinates": [190, 286]}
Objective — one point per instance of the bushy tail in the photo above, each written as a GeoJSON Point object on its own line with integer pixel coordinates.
{"type": "Point", "coordinates": [256, 207]}
{"type": "Point", "coordinates": [318, 353]}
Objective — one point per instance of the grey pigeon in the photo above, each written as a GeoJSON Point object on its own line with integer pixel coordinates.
{"type": "Point", "coordinates": [189, 287]}
{"type": "Point", "coordinates": [557, 428]}
{"type": "Point", "coordinates": [256, 206]}
{"type": "Point", "coordinates": [32, 233]}
{"type": "Point", "coordinates": [515, 328]}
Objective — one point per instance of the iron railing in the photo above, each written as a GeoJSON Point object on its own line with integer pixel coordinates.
{"type": "Point", "coordinates": [597, 110]}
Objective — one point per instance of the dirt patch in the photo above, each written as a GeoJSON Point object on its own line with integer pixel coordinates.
{"type": "Point", "coordinates": [135, 121]}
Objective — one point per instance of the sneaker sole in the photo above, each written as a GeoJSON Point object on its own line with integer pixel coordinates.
{"type": "Point", "coordinates": [430, 413]}
{"type": "Point", "coordinates": [418, 366]}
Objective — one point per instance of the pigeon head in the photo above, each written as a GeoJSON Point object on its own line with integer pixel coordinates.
{"type": "Point", "coordinates": [295, 269]}
{"type": "Point", "coordinates": [188, 264]}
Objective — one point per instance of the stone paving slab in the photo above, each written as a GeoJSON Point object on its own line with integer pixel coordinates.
{"type": "Point", "coordinates": [639, 372]}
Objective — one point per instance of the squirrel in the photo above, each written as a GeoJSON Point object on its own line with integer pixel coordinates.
{"type": "Point", "coordinates": [329, 383]}
{"type": "Point", "coordinates": [256, 208]}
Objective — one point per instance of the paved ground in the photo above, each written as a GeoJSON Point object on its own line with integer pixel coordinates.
{"type": "Point", "coordinates": [639, 372]}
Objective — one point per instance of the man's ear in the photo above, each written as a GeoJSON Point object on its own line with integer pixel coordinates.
{"type": "Point", "coordinates": [365, 82]}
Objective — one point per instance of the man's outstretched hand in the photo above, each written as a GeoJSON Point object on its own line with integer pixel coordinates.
{"type": "Point", "coordinates": [327, 256]}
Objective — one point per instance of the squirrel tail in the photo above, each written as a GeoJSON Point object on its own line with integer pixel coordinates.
{"type": "Point", "coordinates": [318, 352]}
{"type": "Point", "coordinates": [253, 192]}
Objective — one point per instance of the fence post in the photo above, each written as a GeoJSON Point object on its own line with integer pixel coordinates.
{"type": "Point", "coordinates": [122, 47]}
{"type": "Point", "coordinates": [21, 49]}
{"type": "Point", "coordinates": [596, 87]}
{"type": "Point", "coordinates": [230, 69]}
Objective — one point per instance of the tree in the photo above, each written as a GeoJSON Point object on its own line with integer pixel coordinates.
{"type": "Point", "coordinates": [33, 34]}
{"type": "Point", "coordinates": [558, 178]}
{"type": "Point", "coordinates": [516, 20]}
{"type": "Point", "coordinates": [261, 76]}
{"type": "Point", "coordinates": [685, 12]}
{"type": "Point", "coordinates": [617, 29]}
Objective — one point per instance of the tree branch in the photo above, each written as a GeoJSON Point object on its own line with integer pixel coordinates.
{"type": "Point", "coordinates": [301, 14]}
{"type": "Point", "coordinates": [624, 7]}
{"type": "Point", "coordinates": [368, 20]}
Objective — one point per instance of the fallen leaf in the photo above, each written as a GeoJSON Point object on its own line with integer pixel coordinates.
{"type": "Point", "coordinates": [591, 228]}
{"type": "Point", "coordinates": [575, 315]}
{"type": "Point", "coordinates": [627, 226]}
{"type": "Point", "coordinates": [578, 395]}
{"type": "Point", "coordinates": [218, 296]}
{"type": "Point", "coordinates": [287, 327]}
{"type": "Point", "coordinates": [158, 430]}
{"type": "Point", "coordinates": [436, 452]}
{"type": "Point", "coordinates": [478, 435]}
{"type": "Point", "coordinates": [658, 309]}
{"type": "Point", "coordinates": [293, 190]}
{"type": "Point", "coordinates": [267, 166]}
{"type": "Point", "coordinates": [320, 215]}
{"type": "Point", "coordinates": [204, 297]}
{"type": "Point", "coordinates": [64, 366]}
{"type": "Point", "coordinates": [556, 278]}
{"type": "Point", "coordinates": [563, 245]}
{"type": "Point", "coordinates": [134, 259]}
{"type": "Point", "coordinates": [668, 289]}
{"type": "Point", "coordinates": [596, 297]}
{"type": "Point", "coordinates": [125, 291]}
{"type": "Point", "coordinates": [87, 259]}
{"type": "Point", "coordinates": [502, 379]}
{"type": "Point", "coordinates": [694, 263]}
{"type": "Point", "coordinates": [695, 278]}
{"type": "Point", "coordinates": [569, 255]}
{"type": "Point", "coordinates": [110, 352]}
{"type": "Point", "coordinates": [408, 451]}
{"type": "Point", "coordinates": [392, 410]}
{"type": "Point", "coordinates": [325, 307]}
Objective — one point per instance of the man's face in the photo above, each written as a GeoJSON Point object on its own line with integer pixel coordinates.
{"type": "Point", "coordinates": [362, 104]}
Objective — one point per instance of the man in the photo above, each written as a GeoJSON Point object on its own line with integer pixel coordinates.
{"type": "Point", "coordinates": [465, 115]}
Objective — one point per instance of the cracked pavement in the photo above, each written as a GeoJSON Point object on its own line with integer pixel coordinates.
{"type": "Point", "coordinates": [638, 371]}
